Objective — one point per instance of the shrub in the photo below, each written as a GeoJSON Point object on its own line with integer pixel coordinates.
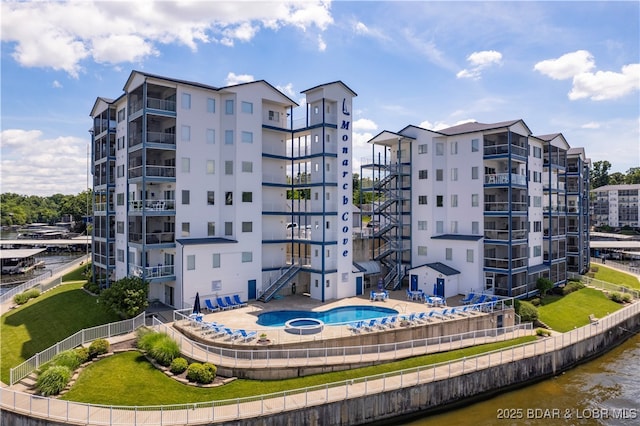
{"type": "Point", "coordinates": [626, 298]}
{"type": "Point", "coordinates": [147, 338]}
{"type": "Point", "coordinates": [544, 285]}
{"type": "Point", "coordinates": [98, 347]}
{"type": "Point", "coordinates": [92, 287]}
{"type": "Point", "coordinates": [543, 332]}
{"type": "Point", "coordinates": [616, 297]}
{"type": "Point", "coordinates": [67, 359]}
{"type": "Point", "coordinates": [528, 312]}
{"type": "Point", "coordinates": [178, 365]}
{"type": "Point", "coordinates": [82, 354]}
{"type": "Point", "coordinates": [164, 350]}
{"type": "Point", "coordinates": [212, 369]}
{"type": "Point", "coordinates": [201, 373]}
{"type": "Point", "coordinates": [194, 371]}
{"type": "Point", "coordinates": [535, 301]}
{"type": "Point", "coordinates": [571, 287]}
{"type": "Point", "coordinates": [53, 380]}
{"type": "Point", "coordinates": [22, 298]}
{"type": "Point", "coordinates": [594, 269]}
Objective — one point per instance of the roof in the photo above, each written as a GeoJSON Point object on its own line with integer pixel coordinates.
{"type": "Point", "coordinates": [328, 84]}
{"type": "Point", "coordinates": [19, 253]}
{"type": "Point", "coordinates": [204, 241]}
{"type": "Point", "coordinates": [386, 136]}
{"type": "Point", "coordinates": [457, 237]}
{"type": "Point", "coordinates": [175, 80]}
{"type": "Point", "coordinates": [549, 137]}
{"type": "Point", "coordinates": [368, 267]}
{"type": "Point", "coordinates": [473, 127]}
{"type": "Point", "coordinates": [625, 187]}
{"type": "Point", "coordinates": [442, 268]}
{"type": "Point", "coordinates": [632, 244]}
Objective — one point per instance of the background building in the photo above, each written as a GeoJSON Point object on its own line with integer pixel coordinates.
{"type": "Point", "coordinates": [223, 191]}
{"type": "Point", "coordinates": [616, 206]}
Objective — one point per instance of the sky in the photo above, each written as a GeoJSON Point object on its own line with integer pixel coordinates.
{"type": "Point", "coordinates": [562, 67]}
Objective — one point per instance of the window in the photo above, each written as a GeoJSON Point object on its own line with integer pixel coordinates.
{"type": "Point", "coordinates": [247, 166]}
{"type": "Point", "coordinates": [247, 137]}
{"type": "Point", "coordinates": [475, 200]}
{"type": "Point", "coordinates": [474, 172]}
{"type": "Point", "coordinates": [246, 107]}
{"type": "Point", "coordinates": [454, 148]}
{"type": "Point", "coordinates": [537, 201]}
{"type": "Point", "coordinates": [475, 145]}
{"type": "Point", "coordinates": [470, 255]}
{"type": "Point", "coordinates": [191, 262]}
{"type": "Point", "coordinates": [537, 152]}
{"type": "Point", "coordinates": [228, 167]}
{"type": "Point", "coordinates": [454, 174]}
{"type": "Point", "coordinates": [440, 227]}
{"type": "Point", "coordinates": [448, 253]}
{"type": "Point", "coordinates": [228, 228]}
{"type": "Point", "coordinates": [211, 167]}
{"type": "Point", "coordinates": [454, 200]}
{"type": "Point", "coordinates": [186, 133]}
{"type": "Point", "coordinates": [247, 197]}
{"type": "Point", "coordinates": [537, 251]}
{"type": "Point", "coordinates": [274, 116]}
{"type": "Point", "coordinates": [215, 260]}
{"type": "Point", "coordinates": [475, 228]}
{"type": "Point", "coordinates": [121, 115]}
{"type": "Point", "coordinates": [120, 198]}
{"type": "Point", "coordinates": [423, 148]}
{"type": "Point", "coordinates": [247, 256]}
{"type": "Point", "coordinates": [186, 195]}
{"type": "Point", "coordinates": [186, 101]}
{"type": "Point", "coordinates": [537, 226]}
{"type": "Point", "coordinates": [120, 227]}
{"type": "Point", "coordinates": [121, 143]}
{"type": "Point", "coordinates": [211, 229]}
{"type": "Point", "coordinates": [216, 285]}
{"type": "Point", "coordinates": [422, 199]}
{"type": "Point", "coordinates": [247, 226]}
{"type": "Point", "coordinates": [211, 105]}
{"type": "Point", "coordinates": [120, 255]}
{"type": "Point", "coordinates": [439, 148]}
{"type": "Point", "coordinates": [211, 136]}
{"type": "Point", "coordinates": [211, 198]}
{"type": "Point", "coordinates": [186, 227]}
{"type": "Point", "coordinates": [345, 277]}
{"type": "Point", "coordinates": [454, 226]}
{"type": "Point", "coordinates": [423, 174]}
{"type": "Point", "coordinates": [422, 225]}
{"type": "Point", "coordinates": [439, 174]}
{"type": "Point", "coordinates": [228, 137]}
{"type": "Point", "coordinates": [422, 250]}
{"type": "Point", "coordinates": [228, 198]}
{"type": "Point", "coordinates": [439, 201]}
{"type": "Point", "coordinates": [121, 170]}
{"type": "Point", "coordinates": [228, 106]}
{"type": "Point", "coordinates": [185, 165]}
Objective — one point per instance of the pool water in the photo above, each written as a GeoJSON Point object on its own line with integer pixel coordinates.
{"type": "Point", "coordinates": [333, 316]}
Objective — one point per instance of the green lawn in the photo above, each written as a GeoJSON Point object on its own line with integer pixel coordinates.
{"type": "Point", "coordinates": [129, 379]}
{"type": "Point", "coordinates": [46, 320]}
{"type": "Point", "coordinates": [564, 313]}
{"type": "Point", "coordinates": [616, 277]}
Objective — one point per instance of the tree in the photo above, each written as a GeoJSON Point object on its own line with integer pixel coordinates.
{"type": "Point", "coordinates": [617, 178]}
{"type": "Point", "coordinates": [544, 285]}
{"type": "Point", "coordinates": [633, 176]}
{"type": "Point", "coordinates": [599, 174]}
{"type": "Point", "coordinates": [126, 297]}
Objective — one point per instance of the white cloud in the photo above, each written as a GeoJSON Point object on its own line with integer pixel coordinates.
{"type": "Point", "coordinates": [60, 35]}
{"type": "Point", "coordinates": [439, 125]}
{"type": "Point", "coordinates": [56, 84]}
{"type": "Point", "coordinates": [364, 124]}
{"type": "Point", "coordinates": [479, 61]}
{"type": "Point", "coordinates": [233, 79]}
{"type": "Point", "coordinates": [566, 66]}
{"type": "Point", "coordinates": [34, 165]}
{"type": "Point", "coordinates": [362, 29]}
{"type": "Point", "coordinates": [605, 85]}
{"type": "Point", "coordinates": [591, 125]}
{"type": "Point", "coordinates": [322, 46]}
{"type": "Point", "coordinates": [287, 90]}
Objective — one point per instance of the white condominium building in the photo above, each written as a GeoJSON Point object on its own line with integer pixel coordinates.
{"type": "Point", "coordinates": [616, 206]}
{"type": "Point", "coordinates": [477, 207]}
{"type": "Point", "coordinates": [224, 190]}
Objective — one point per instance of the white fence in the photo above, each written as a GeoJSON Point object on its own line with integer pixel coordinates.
{"type": "Point", "coordinates": [603, 285]}
{"type": "Point", "coordinates": [81, 337]}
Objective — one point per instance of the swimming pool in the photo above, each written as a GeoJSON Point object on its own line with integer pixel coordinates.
{"type": "Point", "coordinates": [333, 316]}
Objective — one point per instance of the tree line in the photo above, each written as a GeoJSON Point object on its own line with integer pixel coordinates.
{"type": "Point", "coordinates": [20, 210]}
{"type": "Point", "coordinates": [599, 175]}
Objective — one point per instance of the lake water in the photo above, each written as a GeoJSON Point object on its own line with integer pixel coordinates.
{"type": "Point", "coordinates": [605, 391]}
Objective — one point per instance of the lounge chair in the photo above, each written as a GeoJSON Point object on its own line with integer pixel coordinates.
{"type": "Point", "coordinates": [230, 333]}
{"type": "Point", "coordinates": [481, 299]}
{"type": "Point", "coordinates": [209, 306]}
{"type": "Point", "coordinates": [371, 324]}
{"type": "Point", "coordinates": [383, 323]}
{"type": "Point", "coordinates": [468, 299]}
{"type": "Point", "coordinates": [411, 318]}
{"type": "Point", "coordinates": [431, 315]}
{"type": "Point", "coordinates": [409, 295]}
{"type": "Point", "coordinates": [236, 299]}
{"type": "Point", "coordinates": [355, 326]}
{"type": "Point", "coordinates": [392, 321]}
{"type": "Point", "coordinates": [444, 314]}
{"type": "Point", "coordinates": [489, 306]}
{"type": "Point", "coordinates": [231, 303]}
{"type": "Point", "coordinates": [222, 304]}
{"type": "Point", "coordinates": [421, 317]}
{"type": "Point", "coordinates": [246, 336]}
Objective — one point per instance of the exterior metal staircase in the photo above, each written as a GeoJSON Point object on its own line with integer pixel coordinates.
{"type": "Point", "coordinates": [288, 275]}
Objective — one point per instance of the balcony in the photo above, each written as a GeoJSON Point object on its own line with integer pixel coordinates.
{"type": "Point", "coordinates": [153, 103]}
{"type": "Point", "coordinates": [152, 171]}
{"type": "Point", "coordinates": [503, 149]}
{"type": "Point", "coordinates": [152, 238]}
{"type": "Point", "coordinates": [503, 179]}
{"type": "Point", "coordinates": [152, 205]}
{"type": "Point", "coordinates": [505, 206]}
{"type": "Point", "coordinates": [503, 235]}
{"type": "Point", "coordinates": [150, 272]}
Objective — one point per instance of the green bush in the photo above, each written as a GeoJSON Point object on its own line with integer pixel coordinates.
{"type": "Point", "coordinates": [178, 365]}
{"type": "Point", "coordinates": [571, 287]}
{"type": "Point", "coordinates": [98, 347]}
{"type": "Point", "coordinates": [92, 287]}
{"type": "Point", "coordinates": [146, 338]}
{"type": "Point", "coordinates": [626, 298]}
{"type": "Point", "coordinates": [68, 358]}
{"type": "Point", "coordinates": [528, 312]}
{"type": "Point", "coordinates": [22, 298]}
{"type": "Point", "coordinates": [164, 350]}
{"type": "Point", "coordinates": [53, 380]}
{"type": "Point", "coordinates": [82, 354]}
{"type": "Point", "coordinates": [194, 371]}
{"type": "Point", "coordinates": [535, 301]}
{"type": "Point", "coordinates": [212, 369]}
{"type": "Point", "coordinates": [201, 373]}
{"type": "Point", "coordinates": [543, 332]}
{"type": "Point", "coordinates": [616, 297]}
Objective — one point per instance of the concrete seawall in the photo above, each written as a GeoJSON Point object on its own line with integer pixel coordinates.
{"type": "Point", "coordinates": [348, 405]}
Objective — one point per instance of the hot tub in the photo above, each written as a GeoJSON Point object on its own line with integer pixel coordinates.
{"type": "Point", "coordinates": [304, 326]}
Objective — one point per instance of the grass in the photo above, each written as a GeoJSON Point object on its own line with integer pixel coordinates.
{"type": "Point", "coordinates": [46, 320]}
{"type": "Point", "coordinates": [616, 277]}
{"type": "Point", "coordinates": [129, 379]}
{"type": "Point", "coordinates": [564, 313]}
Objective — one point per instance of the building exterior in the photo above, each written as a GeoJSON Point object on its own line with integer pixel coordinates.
{"type": "Point", "coordinates": [222, 191]}
{"type": "Point", "coordinates": [477, 207]}
{"type": "Point", "coordinates": [616, 206]}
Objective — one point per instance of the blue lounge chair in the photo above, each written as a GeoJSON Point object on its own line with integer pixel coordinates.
{"type": "Point", "coordinates": [230, 333]}
{"type": "Point", "coordinates": [468, 299]}
{"type": "Point", "coordinates": [392, 321]}
{"type": "Point", "coordinates": [246, 336]}
{"type": "Point", "coordinates": [409, 295]}
{"type": "Point", "coordinates": [371, 324]}
{"type": "Point", "coordinates": [222, 304]}
{"type": "Point", "coordinates": [422, 316]}
{"type": "Point", "coordinates": [481, 299]}
{"type": "Point", "coordinates": [236, 299]}
{"type": "Point", "coordinates": [491, 304]}
{"type": "Point", "coordinates": [431, 315]}
{"type": "Point", "coordinates": [411, 318]}
{"type": "Point", "coordinates": [209, 306]}
{"type": "Point", "coordinates": [230, 303]}
{"type": "Point", "coordinates": [444, 314]}
{"type": "Point", "coordinates": [383, 323]}
{"type": "Point", "coordinates": [355, 326]}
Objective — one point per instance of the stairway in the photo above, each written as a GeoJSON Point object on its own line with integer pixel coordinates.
{"type": "Point", "coordinates": [283, 280]}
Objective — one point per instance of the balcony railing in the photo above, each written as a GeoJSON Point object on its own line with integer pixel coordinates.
{"type": "Point", "coordinates": [161, 137]}
{"type": "Point", "coordinates": [152, 205]}
{"type": "Point", "coordinates": [158, 271]}
{"type": "Point", "coordinates": [503, 179]}
{"type": "Point", "coordinates": [153, 171]}
{"type": "Point", "coordinates": [503, 235]}
{"type": "Point", "coordinates": [505, 206]}
{"type": "Point", "coordinates": [504, 149]}
{"type": "Point", "coordinates": [153, 238]}
{"type": "Point", "coordinates": [153, 103]}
